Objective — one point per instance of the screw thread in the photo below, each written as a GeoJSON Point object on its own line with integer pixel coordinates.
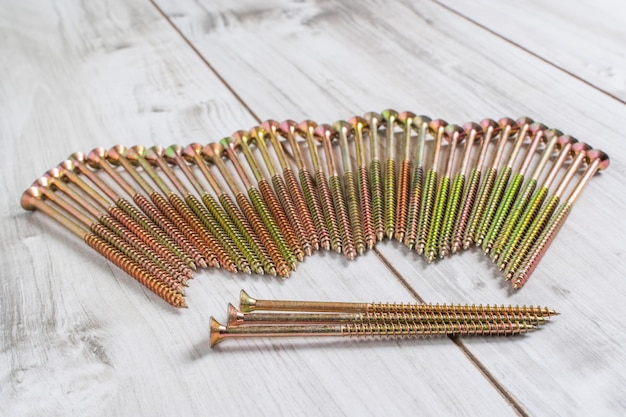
{"type": "Point", "coordinates": [431, 251]}
{"type": "Point", "coordinates": [512, 219]}
{"type": "Point", "coordinates": [268, 232]}
{"type": "Point", "coordinates": [503, 211]}
{"type": "Point", "coordinates": [343, 221]}
{"type": "Point", "coordinates": [354, 211]}
{"type": "Point", "coordinates": [393, 308]}
{"type": "Point", "coordinates": [329, 212]}
{"type": "Point", "coordinates": [289, 207]}
{"type": "Point", "coordinates": [469, 237]}
{"type": "Point", "coordinates": [279, 218]}
{"type": "Point", "coordinates": [530, 238]}
{"type": "Point", "coordinates": [390, 198]}
{"type": "Point", "coordinates": [159, 219]}
{"type": "Point", "coordinates": [313, 202]}
{"type": "Point", "coordinates": [417, 179]}
{"type": "Point", "coordinates": [257, 255]}
{"type": "Point", "coordinates": [492, 204]}
{"type": "Point", "coordinates": [450, 317]}
{"type": "Point", "coordinates": [366, 207]}
{"type": "Point", "coordinates": [134, 270]}
{"type": "Point", "coordinates": [450, 217]}
{"type": "Point", "coordinates": [396, 330]}
{"type": "Point", "coordinates": [228, 254]}
{"type": "Point", "coordinates": [539, 248]}
{"type": "Point", "coordinates": [152, 268]}
{"type": "Point", "coordinates": [402, 200]}
{"type": "Point", "coordinates": [209, 239]}
{"type": "Point", "coordinates": [427, 206]}
{"type": "Point", "coordinates": [376, 184]}
{"type": "Point", "coordinates": [521, 228]}
{"type": "Point", "coordinates": [168, 246]}
{"type": "Point", "coordinates": [194, 245]}
{"type": "Point", "coordinates": [251, 263]}
{"type": "Point", "coordinates": [302, 209]}
{"type": "Point", "coordinates": [468, 199]}
{"type": "Point", "coordinates": [123, 232]}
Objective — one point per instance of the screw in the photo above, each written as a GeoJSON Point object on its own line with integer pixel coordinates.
{"type": "Point", "coordinates": [359, 125]}
{"type": "Point", "coordinates": [504, 174]}
{"type": "Point", "coordinates": [307, 130]}
{"type": "Point", "coordinates": [420, 124]}
{"type": "Point", "coordinates": [353, 203]}
{"type": "Point", "coordinates": [506, 127]}
{"type": "Point", "coordinates": [390, 173]}
{"type": "Point", "coordinates": [33, 199]}
{"type": "Point", "coordinates": [525, 195]}
{"type": "Point", "coordinates": [546, 211]}
{"type": "Point", "coordinates": [325, 134]}
{"type": "Point", "coordinates": [376, 176]}
{"type": "Point", "coordinates": [198, 218]}
{"type": "Point", "coordinates": [471, 131]}
{"type": "Point", "coordinates": [538, 131]}
{"type": "Point", "coordinates": [429, 192]}
{"type": "Point", "coordinates": [454, 134]}
{"type": "Point", "coordinates": [530, 212]}
{"type": "Point", "coordinates": [597, 161]}
{"type": "Point", "coordinates": [289, 130]}
{"type": "Point", "coordinates": [404, 119]}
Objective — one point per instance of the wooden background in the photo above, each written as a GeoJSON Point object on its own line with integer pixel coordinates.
{"type": "Point", "coordinates": [78, 337]}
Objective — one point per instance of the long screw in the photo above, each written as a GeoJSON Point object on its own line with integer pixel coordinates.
{"type": "Point", "coordinates": [326, 134]}
{"type": "Point", "coordinates": [506, 127]}
{"type": "Point", "coordinates": [289, 130]}
{"type": "Point", "coordinates": [359, 125]}
{"type": "Point", "coordinates": [33, 199]}
{"type": "Point", "coordinates": [374, 121]}
{"type": "Point", "coordinates": [420, 124]}
{"type": "Point", "coordinates": [390, 173]}
{"type": "Point", "coordinates": [239, 318]}
{"type": "Point", "coordinates": [385, 330]}
{"type": "Point", "coordinates": [307, 130]}
{"type": "Point", "coordinates": [206, 243]}
{"type": "Point", "coordinates": [552, 136]}
{"type": "Point", "coordinates": [540, 222]}
{"type": "Point", "coordinates": [196, 215]}
{"type": "Point", "coordinates": [344, 130]}
{"type": "Point", "coordinates": [470, 131]}
{"type": "Point", "coordinates": [429, 192]}
{"type": "Point", "coordinates": [172, 221]}
{"type": "Point", "coordinates": [248, 304]}
{"type": "Point", "coordinates": [260, 218]}
{"type": "Point", "coordinates": [46, 185]}
{"type": "Point", "coordinates": [286, 208]}
{"type": "Point", "coordinates": [530, 212]}
{"type": "Point", "coordinates": [509, 196]}
{"type": "Point", "coordinates": [97, 159]}
{"type": "Point", "coordinates": [244, 140]}
{"type": "Point", "coordinates": [54, 181]}
{"type": "Point", "coordinates": [405, 120]}
{"type": "Point", "coordinates": [125, 213]}
{"type": "Point", "coordinates": [487, 131]}
{"type": "Point", "coordinates": [597, 161]}
{"type": "Point", "coordinates": [504, 174]}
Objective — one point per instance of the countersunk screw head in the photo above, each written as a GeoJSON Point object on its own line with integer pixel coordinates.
{"type": "Point", "coordinates": [436, 125]}
{"type": "Point", "coordinates": [192, 151]}
{"type": "Point", "coordinates": [599, 155]}
{"type": "Point", "coordinates": [172, 152]}
{"type": "Point", "coordinates": [565, 140]}
{"type": "Point", "coordinates": [115, 153]}
{"type": "Point", "coordinates": [30, 197]}
{"type": "Point", "coordinates": [96, 156]}
{"type": "Point", "coordinates": [136, 152]}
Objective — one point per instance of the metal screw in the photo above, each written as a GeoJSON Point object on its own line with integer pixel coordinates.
{"type": "Point", "coordinates": [404, 119]}
{"type": "Point", "coordinates": [376, 175]}
{"type": "Point", "coordinates": [597, 161]}
{"type": "Point", "coordinates": [390, 173]}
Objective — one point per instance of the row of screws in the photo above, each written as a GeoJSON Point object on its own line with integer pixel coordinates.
{"type": "Point", "coordinates": [281, 191]}
{"type": "Point", "coordinates": [286, 318]}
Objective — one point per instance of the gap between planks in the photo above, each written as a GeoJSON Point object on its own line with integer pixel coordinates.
{"type": "Point", "coordinates": [508, 397]}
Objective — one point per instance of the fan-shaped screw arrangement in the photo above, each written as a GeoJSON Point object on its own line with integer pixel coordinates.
{"type": "Point", "coordinates": [262, 200]}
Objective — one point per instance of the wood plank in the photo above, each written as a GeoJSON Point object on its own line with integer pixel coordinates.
{"type": "Point", "coordinates": [79, 337]}
{"type": "Point", "coordinates": [586, 41]}
{"type": "Point", "coordinates": [424, 58]}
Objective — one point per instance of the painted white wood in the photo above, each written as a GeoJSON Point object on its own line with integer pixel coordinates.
{"type": "Point", "coordinates": [585, 39]}
{"type": "Point", "coordinates": [427, 59]}
{"type": "Point", "coordinates": [79, 337]}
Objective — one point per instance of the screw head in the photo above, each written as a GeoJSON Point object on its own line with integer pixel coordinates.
{"type": "Point", "coordinates": [596, 154]}
{"type": "Point", "coordinates": [271, 126]}
{"type": "Point", "coordinates": [524, 121]}
{"type": "Point", "coordinates": [191, 151]}
{"type": "Point", "coordinates": [437, 125]}
{"type": "Point", "coordinates": [288, 127]}
{"type": "Point", "coordinates": [565, 140]}
{"type": "Point", "coordinates": [172, 152]}
{"type": "Point", "coordinates": [153, 153]}
{"type": "Point", "coordinates": [68, 165]}
{"type": "Point", "coordinates": [96, 157]}
{"type": "Point", "coordinates": [358, 121]}
{"type": "Point", "coordinates": [30, 197]}
{"type": "Point", "coordinates": [136, 152]}
{"type": "Point", "coordinates": [307, 127]}
{"type": "Point", "coordinates": [213, 151]}
{"type": "Point", "coordinates": [581, 147]}
{"type": "Point", "coordinates": [116, 153]}
{"type": "Point", "coordinates": [323, 132]}
{"type": "Point", "coordinates": [451, 130]}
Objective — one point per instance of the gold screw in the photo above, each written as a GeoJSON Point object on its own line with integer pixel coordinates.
{"type": "Point", "coordinates": [390, 174]}
{"type": "Point", "coordinates": [376, 175]}
{"type": "Point", "coordinates": [404, 119]}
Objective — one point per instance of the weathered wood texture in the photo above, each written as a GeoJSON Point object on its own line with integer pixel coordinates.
{"type": "Point", "coordinates": [79, 337]}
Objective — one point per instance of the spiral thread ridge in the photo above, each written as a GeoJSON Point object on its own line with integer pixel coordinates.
{"type": "Point", "coordinates": [366, 207]}
{"type": "Point", "coordinates": [328, 209]}
{"type": "Point", "coordinates": [353, 203]}
{"type": "Point", "coordinates": [390, 198]}
{"type": "Point", "coordinates": [450, 217]}
{"type": "Point", "coordinates": [289, 208]}
{"type": "Point", "coordinates": [376, 184]}
{"type": "Point", "coordinates": [402, 200]}
{"type": "Point", "coordinates": [431, 251]}
{"type": "Point", "coordinates": [469, 236]}
{"type": "Point", "coordinates": [313, 202]}
{"type": "Point", "coordinates": [415, 200]}
{"type": "Point", "coordinates": [427, 206]}
{"type": "Point", "coordinates": [492, 204]}
{"type": "Point", "coordinates": [503, 211]}
{"type": "Point", "coordinates": [343, 221]}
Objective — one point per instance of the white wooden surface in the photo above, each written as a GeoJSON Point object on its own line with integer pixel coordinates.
{"type": "Point", "coordinates": [79, 338]}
